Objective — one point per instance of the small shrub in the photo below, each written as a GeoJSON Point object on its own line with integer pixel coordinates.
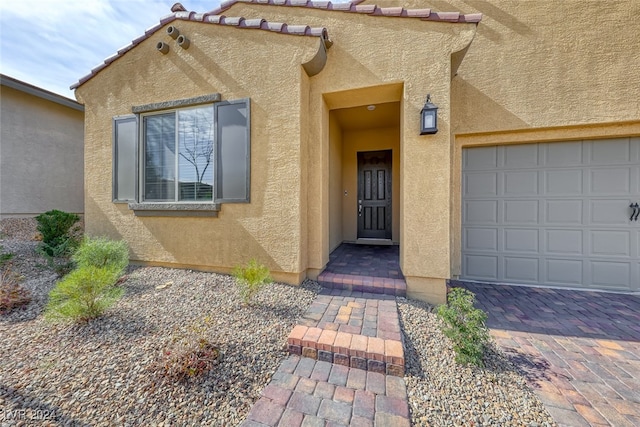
{"type": "Point", "coordinates": [55, 227]}
{"type": "Point", "coordinates": [84, 294]}
{"type": "Point", "coordinates": [465, 326]}
{"type": "Point", "coordinates": [189, 355]}
{"type": "Point", "coordinates": [251, 279]}
{"type": "Point", "coordinates": [102, 252]}
{"type": "Point", "coordinates": [90, 289]}
{"type": "Point", "coordinates": [12, 295]}
{"type": "Point", "coordinates": [5, 258]}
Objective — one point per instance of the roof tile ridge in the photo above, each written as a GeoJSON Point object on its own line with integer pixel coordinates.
{"type": "Point", "coordinates": [251, 23]}
{"type": "Point", "coordinates": [354, 6]}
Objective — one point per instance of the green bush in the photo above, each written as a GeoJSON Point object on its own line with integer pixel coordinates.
{"type": "Point", "coordinates": [55, 226]}
{"type": "Point", "coordinates": [84, 294]}
{"type": "Point", "coordinates": [5, 258]}
{"type": "Point", "coordinates": [90, 289]}
{"type": "Point", "coordinates": [102, 252]}
{"type": "Point", "coordinates": [251, 279]}
{"type": "Point", "coordinates": [465, 326]}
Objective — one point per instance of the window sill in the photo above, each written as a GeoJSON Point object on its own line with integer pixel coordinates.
{"type": "Point", "coordinates": [176, 209]}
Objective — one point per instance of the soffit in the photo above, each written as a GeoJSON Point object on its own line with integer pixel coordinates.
{"type": "Point", "coordinates": [359, 118]}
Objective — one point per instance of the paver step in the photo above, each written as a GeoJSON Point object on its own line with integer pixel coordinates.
{"type": "Point", "coordinates": [309, 392]}
{"type": "Point", "coordinates": [361, 332]}
{"type": "Point", "coordinates": [358, 283]}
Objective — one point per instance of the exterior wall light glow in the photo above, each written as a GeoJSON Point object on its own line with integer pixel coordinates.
{"type": "Point", "coordinates": [371, 107]}
{"type": "Point", "coordinates": [428, 118]}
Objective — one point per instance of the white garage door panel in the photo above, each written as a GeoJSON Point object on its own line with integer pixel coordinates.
{"type": "Point", "coordinates": [565, 272]}
{"type": "Point", "coordinates": [552, 214]}
{"type": "Point", "coordinates": [481, 184]}
{"type": "Point", "coordinates": [564, 212]}
{"type": "Point", "coordinates": [564, 242]}
{"type": "Point", "coordinates": [521, 240]}
{"type": "Point", "coordinates": [521, 270]}
{"type": "Point", "coordinates": [481, 239]}
{"type": "Point", "coordinates": [564, 182]}
{"type": "Point", "coordinates": [614, 212]}
{"type": "Point", "coordinates": [611, 243]}
{"type": "Point", "coordinates": [520, 212]}
{"type": "Point", "coordinates": [482, 267]}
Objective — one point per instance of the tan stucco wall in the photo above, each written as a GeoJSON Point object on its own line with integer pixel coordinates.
{"type": "Point", "coordinates": [542, 72]}
{"type": "Point", "coordinates": [259, 65]}
{"type": "Point", "coordinates": [41, 155]}
{"type": "Point", "coordinates": [336, 185]}
{"type": "Point", "coordinates": [368, 140]}
{"type": "Point", "coordinates": [363, 57]}
{"type": "Point", "coordinates": [288, 224]}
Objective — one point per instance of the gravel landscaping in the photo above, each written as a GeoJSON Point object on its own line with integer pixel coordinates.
{"type": "Point", "coordinates": [101, 373]}
{"type": "Point", "coordinates": [443, 393]}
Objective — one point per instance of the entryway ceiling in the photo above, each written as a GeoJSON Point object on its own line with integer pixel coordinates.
{"type": "Point", "coordinates": [359, 118]}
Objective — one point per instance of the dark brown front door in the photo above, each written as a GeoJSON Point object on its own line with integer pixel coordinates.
{"type": "Point", "coordinates": [374, 195]}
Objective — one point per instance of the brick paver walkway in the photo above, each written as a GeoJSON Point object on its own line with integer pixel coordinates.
{"type": "Point", "coordinates": [307, 392]}
{"type": "Point", "coordinates": [579, 350]}
{"type": "Point", "coordinates": [345, 368]}
{"type": "Point", "coordinates": [365, 268]}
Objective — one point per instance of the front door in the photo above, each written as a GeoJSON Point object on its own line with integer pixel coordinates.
{"type": "Point", "coordinates": [374, 195]}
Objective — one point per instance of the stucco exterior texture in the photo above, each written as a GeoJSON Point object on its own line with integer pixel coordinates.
{"type": "Point", "coordinates": [41, 155]}
{"type": "Point", "coordinates": [528, 72]}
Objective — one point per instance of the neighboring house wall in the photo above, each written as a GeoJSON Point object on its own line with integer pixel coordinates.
{"type": "Point", "coordinates": [41, 151]}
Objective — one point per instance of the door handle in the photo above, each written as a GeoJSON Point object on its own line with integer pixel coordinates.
{"type": "Point", "coordinates": [635, 211]}
{"type": "Point", "coordinates": [359, 207]}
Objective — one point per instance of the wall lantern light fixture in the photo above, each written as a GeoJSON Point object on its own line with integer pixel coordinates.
{"type": "Point", "coordinates": [428, 118]}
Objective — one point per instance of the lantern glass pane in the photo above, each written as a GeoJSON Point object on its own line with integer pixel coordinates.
{"type": "Point", "coordinates": [428, 118]}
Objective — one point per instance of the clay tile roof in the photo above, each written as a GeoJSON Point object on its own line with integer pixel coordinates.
{"type": "Point", "coordinates": [355, 7]}
{"type": "Point", "coordinates": [217, 17]}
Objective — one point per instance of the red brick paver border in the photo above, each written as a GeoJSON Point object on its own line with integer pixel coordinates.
{"type": "Point", "coordinates": [361, 332]}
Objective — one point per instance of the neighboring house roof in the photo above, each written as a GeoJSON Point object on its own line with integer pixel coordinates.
{"type": "Point", "coordinates": [39, 92]}
{"type": "Point", "coordinates": [216, 17]}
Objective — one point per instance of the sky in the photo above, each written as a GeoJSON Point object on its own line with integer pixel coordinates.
{"type": "Point", "coordinates": [53, 43]}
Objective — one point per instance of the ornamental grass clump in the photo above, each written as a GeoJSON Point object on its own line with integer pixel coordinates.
{"type": "Point", "coordinates": [465, 326]}
{"type": "Point", "coordinates": [90, 289]}
{"type": "Point", "coordinates": [250, 279]}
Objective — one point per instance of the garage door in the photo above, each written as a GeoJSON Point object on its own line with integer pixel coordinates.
{"type": "Point", "coordinates": [553, 214]}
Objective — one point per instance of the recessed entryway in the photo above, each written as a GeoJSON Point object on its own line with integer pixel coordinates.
{"type": "Point", "coordinates": [364, 181]}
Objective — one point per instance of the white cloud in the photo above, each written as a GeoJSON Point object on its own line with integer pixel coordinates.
{"type": "Point", "coordinates": [53, 43]}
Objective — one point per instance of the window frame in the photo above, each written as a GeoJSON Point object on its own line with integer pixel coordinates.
{"type": "Point", "coordinates": [179, 207]}
{"type": "Point", "coordinates": [141, 156]}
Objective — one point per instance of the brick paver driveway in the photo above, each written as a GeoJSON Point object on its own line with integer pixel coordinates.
{"type": "Point", "coordinates": [579, 350]}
